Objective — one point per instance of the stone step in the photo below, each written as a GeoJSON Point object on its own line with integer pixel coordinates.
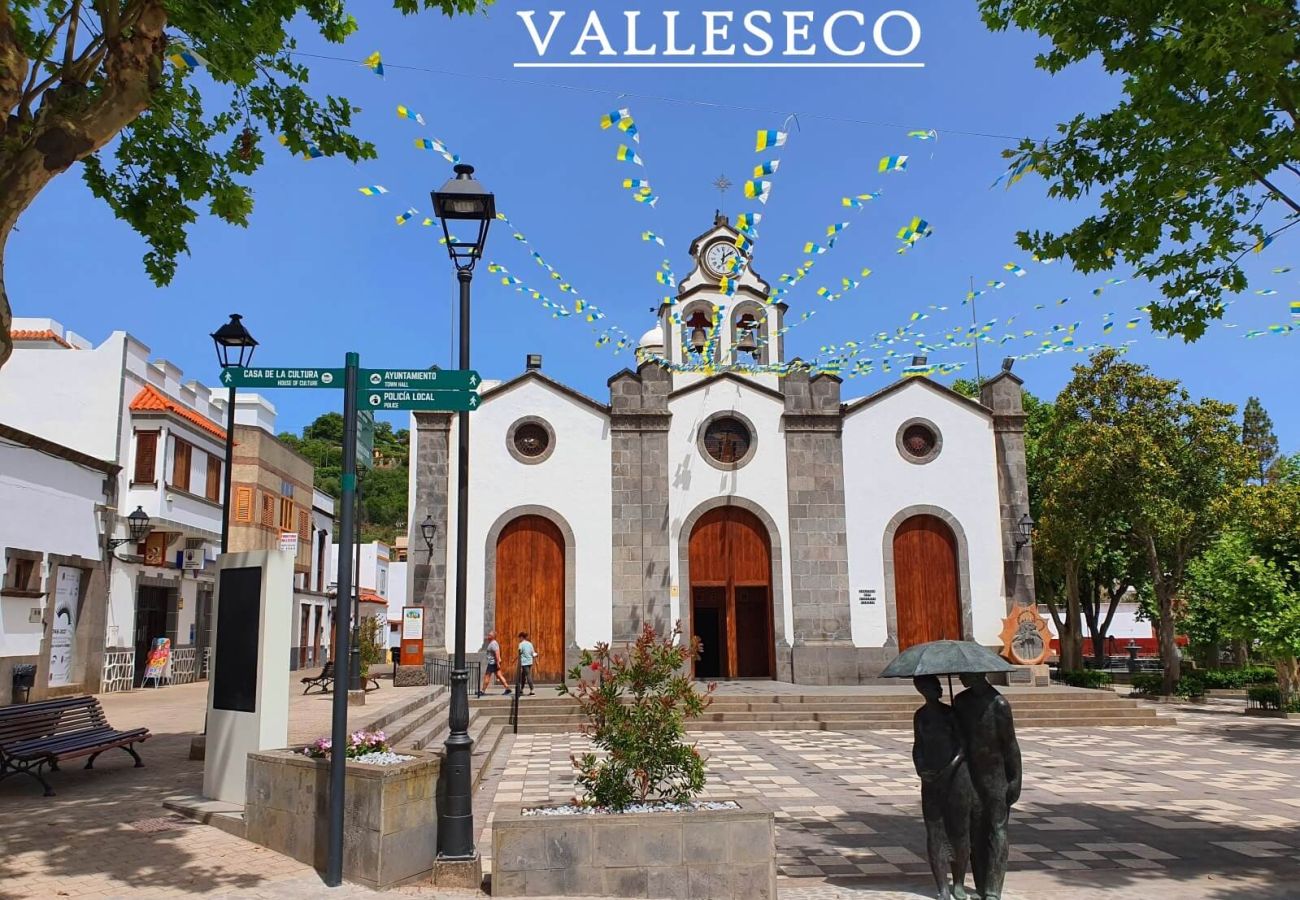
{"type": "Point", "coordinates": [908, 700]}
{"type": "Point", "coordinates": [530, 727]}
{"type": "Point", "coordinates": [430, 706]}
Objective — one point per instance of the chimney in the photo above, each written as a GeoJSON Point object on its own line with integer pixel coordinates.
{"type": "Point", "coordinates": [533, 362]}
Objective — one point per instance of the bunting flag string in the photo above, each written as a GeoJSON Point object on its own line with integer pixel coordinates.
{"type": "Point", "coordinates": [404, 112]}
{"type": "Point", "coordinates": [375, 63]}
{"type": "Point", "coordinates": [311, 152]}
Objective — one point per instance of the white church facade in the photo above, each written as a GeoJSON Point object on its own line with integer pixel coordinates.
{"type": "Point", "coordinates": [799, 536]}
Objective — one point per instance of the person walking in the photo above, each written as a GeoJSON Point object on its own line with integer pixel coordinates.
{"type": "Point", "coordinates": [527, 653]}
{"type": "Point", "coordinates": [492, 655]}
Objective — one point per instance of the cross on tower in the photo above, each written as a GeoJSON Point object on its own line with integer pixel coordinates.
{"type": "Point", "coordinates": [722, 183]}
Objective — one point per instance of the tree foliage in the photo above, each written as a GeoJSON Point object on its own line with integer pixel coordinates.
{"type": "Point", "coordinates": [1163, 465]}
{"type": "Point", "coordinates": [1197, 163]}
{"type": "Point", "coordinates": [1257, 434]}
{"type": "Point", "coordinates": [383, 511]}
{"type": "Point", "coordinates": [77, 74]}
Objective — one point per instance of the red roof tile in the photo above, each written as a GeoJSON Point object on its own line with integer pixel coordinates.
{"type": "Point", "coordinates": [150, 399]}
{"type": "Point", "coordinates": [23, 334]}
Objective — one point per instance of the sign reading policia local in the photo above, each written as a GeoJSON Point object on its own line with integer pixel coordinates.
{"type": "Point", "coordinates": [430, 390]}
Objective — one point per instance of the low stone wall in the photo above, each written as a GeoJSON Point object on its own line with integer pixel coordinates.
{"type": "Point", "coordinates": [390, 835]}
{"type": "Point", "coordinates": [726, 854]}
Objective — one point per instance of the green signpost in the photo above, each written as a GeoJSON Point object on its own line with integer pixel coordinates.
{"type": "Point", "coordinates": [419, 380]}
{"type": "Point", "coordinates": [426, 401]}
{"type": "Point", "coordinates": [301, 377]}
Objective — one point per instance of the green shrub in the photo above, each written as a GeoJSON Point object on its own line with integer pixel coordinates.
{"type": "Point", "coordinates": [636, 708]}
{"type": "Point", "coordinates": [1190, 685]}
{"type": "Point", "coordinates": [1086, 678]}
{"type": "Point", "coordinates": [1148, 684]}
{"type": "Point", "coordinates": [1232, 679]}
{"type": "Point", "coordinates": [1265, 696]}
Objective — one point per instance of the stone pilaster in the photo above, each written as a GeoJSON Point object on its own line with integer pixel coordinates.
{"type": "Point", "coordinates": [1002, 394]}
{"type": "Point", "coordinates": [818, 553]}
{"type": "Point", "coordinates": [432, 498]}
{"type": "Point", "coordinates": [639, 420]}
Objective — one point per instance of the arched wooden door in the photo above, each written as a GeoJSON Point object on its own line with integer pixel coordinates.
{"type": "Point", "coordinates": [731, 595]}
{"type": "Point", "coordinates": [530, 594]}
{"type": "Point", "coordinates": [927, 594]}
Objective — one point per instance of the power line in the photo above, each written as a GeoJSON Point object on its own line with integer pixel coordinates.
{"type": "Point", "coordinates": [685, 101]}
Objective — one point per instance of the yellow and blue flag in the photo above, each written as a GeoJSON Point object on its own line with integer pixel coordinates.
{"type": "Point", "coordinates": [625, 154]}
{"type": "Point", "coordinates": [374, 63]}
{"type": "Point", "coordinates": [767, 168]}
{"type": "Point", "coordinates": [404, 112]}
{"type": "Point", "coordinates": [769, 139]}
{"type": "Point", "coordinates": [892, 164]}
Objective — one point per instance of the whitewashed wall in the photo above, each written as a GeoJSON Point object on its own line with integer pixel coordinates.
{"type": "Point", "coordinates": [962, 480]}
{"type": "Point", "coordinates": [693, 481]}
{"type": "Point", "coordinates": [48, 506]}
{"type": "Point", "coordinates": [574, 482]}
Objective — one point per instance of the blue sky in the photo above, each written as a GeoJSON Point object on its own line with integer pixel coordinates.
{"type": "Point", "coordinates": [323, 270]}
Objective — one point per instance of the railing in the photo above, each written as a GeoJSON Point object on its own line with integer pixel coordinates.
{"type": "Point", "coordinates": [1270, 697]}
{"type": "Point", "coordinates": [119, 671]}
{"type": "Point", "coordinates": [439, 672]}
{"type": "Point", "coordinates": [185, 665]}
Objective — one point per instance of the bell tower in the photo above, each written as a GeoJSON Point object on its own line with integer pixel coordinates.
{"type": "Point", "coordinates": [722, 318]}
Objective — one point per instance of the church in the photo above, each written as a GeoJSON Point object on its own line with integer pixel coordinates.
{"type": "Point", "coordinates": [800, 536]}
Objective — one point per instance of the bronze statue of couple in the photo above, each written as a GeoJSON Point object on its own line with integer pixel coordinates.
{"type": "Point", "coordinates": [969, 763]}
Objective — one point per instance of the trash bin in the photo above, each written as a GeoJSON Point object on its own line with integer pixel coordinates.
{"type": "Point", "coordinates": [24, 680]}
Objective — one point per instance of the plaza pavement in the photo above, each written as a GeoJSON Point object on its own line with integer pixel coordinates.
{"type": "Point", "coordinates": [1208, 809]}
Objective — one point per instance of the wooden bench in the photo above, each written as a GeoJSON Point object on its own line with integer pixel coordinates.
{"type": "Point", "coordinates": [324, 681]}
{"type": "Point", "coordinates": [36, 735]}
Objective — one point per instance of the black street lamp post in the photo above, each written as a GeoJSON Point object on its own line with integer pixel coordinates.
{"type": "Point", "coordinates": [234, 348]}
{"type": "Point", "coordinates": [463, 201]}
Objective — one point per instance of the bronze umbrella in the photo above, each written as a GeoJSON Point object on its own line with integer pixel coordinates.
{"type": "Point", "coordinates": [945, 658]}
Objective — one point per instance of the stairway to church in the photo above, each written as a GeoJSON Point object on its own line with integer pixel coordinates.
{"type": "Point", "coordinates": [866, 711]}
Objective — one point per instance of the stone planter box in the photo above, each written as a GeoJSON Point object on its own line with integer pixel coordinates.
{"type": "Point", "coordinates": [390, 832]}
{"type": "Point", "coordinates": [726, 854]}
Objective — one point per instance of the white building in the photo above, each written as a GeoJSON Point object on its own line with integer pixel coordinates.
{"type": "Point", "coordinates": [797, 535]}
{"type": "Point", "coordinates": [113, 404]}
{"type": "Point", "coordinates": [54, 592]}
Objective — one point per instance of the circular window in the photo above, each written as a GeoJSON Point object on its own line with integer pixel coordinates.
{"type": "Point", "coordinates": [727, 441]}
{"type": "Point", "coordinates": [919, 441]}
{"type": "Point", "coordinates": [530, 440]}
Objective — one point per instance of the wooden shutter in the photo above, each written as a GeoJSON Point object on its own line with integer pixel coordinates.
{"type": "Point", "coordinates": [146, 457]}
{"type": "Point", "coordinates": [304, 526]}
{"type": "Point", "coordinates": [243, 504]}
{"type": "Point", "coordinates": [214, 479]}
{"type": "Point", "coordinates": [181, 465]}
{"type": "Point", "coordinates": [268, 510]}
{"type": "Point", "coordinates": [286, 514]}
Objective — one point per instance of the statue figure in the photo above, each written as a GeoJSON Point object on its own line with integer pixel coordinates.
{"type": "Point", "coordinates": [993, 755]}
{"type": "Point", "coordinates": [947, 796]}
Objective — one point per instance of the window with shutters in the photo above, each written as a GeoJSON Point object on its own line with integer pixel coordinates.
{"type": "Point", "coordinates": [146, 457]}
{"type": "Point", "coordinates": [268, 510]}
{"type": "Point", "coordinates": [243, 504]}
{"type": "Point", "coordinates": [214, 479]}
{"type": "Point", "coordinates": [304, 527]}
{"type": "Point", "coordinates": [286, 514]}
{"type": "Point", "coordinates": [181, 464]}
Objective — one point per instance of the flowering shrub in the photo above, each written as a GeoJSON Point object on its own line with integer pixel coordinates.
{"type": "Point", "coordinates": [636, 708]}
{"type": "Point", "coordinates": [359, 744]}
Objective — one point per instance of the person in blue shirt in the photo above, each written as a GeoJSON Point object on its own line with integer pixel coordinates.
{"type": "Point", "coordinates": [527, 653]}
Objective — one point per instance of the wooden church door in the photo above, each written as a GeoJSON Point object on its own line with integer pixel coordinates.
{"type": "Point", "coordinates": [926, 588]}
{"type": "Point", "coordinates": [530, 594]}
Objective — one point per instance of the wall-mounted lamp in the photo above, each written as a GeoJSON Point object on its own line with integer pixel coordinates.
{"type": "Point", "coordinates": [427, 531]}
{"type": "Point", "coordinates": [1026, 526]}
{"type": "Point", "coordinates": [137, 525]}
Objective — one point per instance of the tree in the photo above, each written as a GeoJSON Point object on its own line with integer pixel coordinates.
{"type": "Point", "coordinates": [1252, 598]}
{"type": "Point", "coordinates": [1257, 434]}
{"type": "Point", "coordinates": [75, 75]}
{"type": "Point", "coordinates": [1196, 164]}
{"type": "Point", "coordinates": [1170, 462]}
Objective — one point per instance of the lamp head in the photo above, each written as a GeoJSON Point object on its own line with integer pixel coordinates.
{"type": "Point", "coordinates": [234, 343]}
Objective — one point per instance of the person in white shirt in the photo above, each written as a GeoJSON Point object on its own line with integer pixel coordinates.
{"type": "Point", "coordinates": [527, 653]}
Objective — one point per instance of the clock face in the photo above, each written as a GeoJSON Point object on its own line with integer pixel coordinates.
{"type": "Point", "coordinates": [720, 257]}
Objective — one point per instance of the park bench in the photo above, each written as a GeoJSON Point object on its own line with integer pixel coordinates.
{"type": "Point", "coordinates": [325, 680]}
{"type": "Point", "coordinates": [36, 735]}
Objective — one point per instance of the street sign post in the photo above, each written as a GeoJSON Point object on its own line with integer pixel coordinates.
{"type": "Point", "coordinates": [427, 401]}
{"type": "Point", "coordinates": [419, 380]}
{"type": "Point", "coordinates": [365, 439]}
{"type": "Point", "coordinates": [287, 377]}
